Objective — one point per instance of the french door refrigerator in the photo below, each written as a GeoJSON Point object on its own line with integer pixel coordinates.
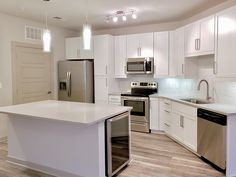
{"type": "Point", "coordinates": [76, 81]}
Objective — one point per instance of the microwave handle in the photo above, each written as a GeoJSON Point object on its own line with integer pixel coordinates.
{"type": "Point", "coordinates": [145, 66]}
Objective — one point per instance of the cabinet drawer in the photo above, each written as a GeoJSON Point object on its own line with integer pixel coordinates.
{"type": "Point", "coordinates": [166, 105]}
{"type": "Point", "coordinates": [185, 109]}
{"type": "Point", "coordinates": [114, 98]}
{"type": "Point", "coordinates": [167, 116]}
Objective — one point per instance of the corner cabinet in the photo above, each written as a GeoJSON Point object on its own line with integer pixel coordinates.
{"type": "Point", "coordinates": [161, 54]}
{"type": "Point", "coordinates": [200, 37]}
{"type": "Point", "coordinates": [224, 64]}
{"type": "Point", "coordinates": [140, 45]}
{"type": "Point", "coordinates": [120, 56]}
{"type": "Point", "coordinates": [75, 49]}
{"type": "Point", "coordinates": [154, 114]}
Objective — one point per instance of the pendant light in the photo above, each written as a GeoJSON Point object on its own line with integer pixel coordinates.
{"type": "Point", "coordinates": [87, 32]}
{"type": "Point", "coordinates": [46, 33]}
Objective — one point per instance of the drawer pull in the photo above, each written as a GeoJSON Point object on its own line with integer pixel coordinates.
{"type": "Point", "coordinates": [167, 111]}
{"type": "Point", "coordinates": [167, 125]}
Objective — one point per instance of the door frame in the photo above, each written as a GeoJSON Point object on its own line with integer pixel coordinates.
{"type": "Point", "coordinates": [14, 46]}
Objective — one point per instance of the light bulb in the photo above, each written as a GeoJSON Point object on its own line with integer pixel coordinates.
{"type": "Point", "coordinates": [134, 16]}
{"type": "Point", "coordinates": [115, 19]}
{"type": "Point", "coordinates": [87, 33]}
{"type": "Point", "coordinates": [47, 40]}
{"type": "Point", "coordinates": [124, 18]}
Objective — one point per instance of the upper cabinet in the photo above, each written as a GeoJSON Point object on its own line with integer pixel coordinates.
{"type": "Point", "coordinates": [120, 56]}
{"type": "Point", "coordinates": [224, 64]}
{"type": "Point", "coordinates": [200, 38]}
{"type": "Point", "coordinates": [140, 45]}
{"type": "Point", "coordinates": [161, 54]}
{"type": "Point", "coordinates": [103, 54]}
{"type": "Point", "coordinates": [75, 49]}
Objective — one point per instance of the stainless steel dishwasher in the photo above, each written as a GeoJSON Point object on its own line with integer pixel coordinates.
{"type": "Point", "coordinates": [211, 141]}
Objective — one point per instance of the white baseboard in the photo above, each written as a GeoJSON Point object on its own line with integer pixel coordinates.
{"type": "Point", "coordinates": [40, 168]}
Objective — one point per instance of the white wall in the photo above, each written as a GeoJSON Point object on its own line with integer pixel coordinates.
{"type": "Point", "coordinates": [12, 29]}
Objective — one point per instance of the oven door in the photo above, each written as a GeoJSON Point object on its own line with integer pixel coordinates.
{"type": "Point", "coordinates": [136, 66]}
{"type": "Point", "coordinates": [140, 105]}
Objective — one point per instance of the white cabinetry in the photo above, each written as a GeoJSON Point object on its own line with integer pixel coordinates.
{"type": "Point", "coordinates": [161, 54]}
{"type": "Point", "coordinates": [200, 37]}
{"type": "Point", "coordinates": [225, 62]}
{"type": "Point", "coordinates": [105, 82]}
{"type": "Point", "coordinates": [140, 45]}
{"type": "Point", "coordinates": [120, 56]}
{"type": "Point", "coordinates": [154, 114]}
{"type": "Point", "coordinates": [184, 125]}
{"type": "Point", "coordinates": [165, 115]}
{"type": "Point", "coordinates": [75, 50]}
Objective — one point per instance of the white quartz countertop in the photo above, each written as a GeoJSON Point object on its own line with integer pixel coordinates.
{"type": "Point", "coordinates": [226, 109]}
{"type": "Point", "coordinates": [82, 113]}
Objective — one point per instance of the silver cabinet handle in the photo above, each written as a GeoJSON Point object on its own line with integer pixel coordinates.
{"type": "Point", "coordinates": [182, 121]}
{"type": "Point", "coordinates": [49, 92]}
{"type": "Point", "coordinates": [182, 68]}
{"type": "Point", "coordinates": [215, 67]}
{"type": "Point", "coordinates": [167, 125]}
{"type": "Point", "coordinates": [195, 44]}
{"type": "Point", "coordinates": [106, 69]}
{"type": "Point", "coordinates": [125, 69]}
{"type": "Point", "coordinates": [167, 111]}
{"type": "Point", "coordinates": [138, 51]}
{"type": "Point", "coordinates": [199, 44]}
{"type": "Point", "coordinates": [78, 53]}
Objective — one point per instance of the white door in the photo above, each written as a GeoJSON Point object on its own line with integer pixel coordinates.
{"type": "Point", "coordinates": [154, 114]}
{"type": "Point", "coordinates": [101, 55]}
{"type": "Point", "coordinates": [179, 51]}
{"type": "Point", "coordinates": [146, 44]}
{"type": "Point", "coordinates": [207, 39]}
{"type": "Point", "coordinates": [161, 54]}
{"type": "Point", "coordinates": [133, 46]}
{"type": "Point", "coordinates": [192, 36]}
{"type": "Point", "coordinates": [120, 56]}
{"type": "Point", "coordinates": [190, 132]}
{"type": "Point", "coordinates": [101, 90]}
{"type": "Point", "coordinates": [32, 75]}
{"type": "Point", "coordinates": [226, 52]}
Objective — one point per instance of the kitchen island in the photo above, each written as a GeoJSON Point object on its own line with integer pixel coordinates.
{"type": "Point", "coordinates": [65, 139]}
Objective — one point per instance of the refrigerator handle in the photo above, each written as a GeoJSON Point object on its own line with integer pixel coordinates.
{"type": "Point", "coordinates": [68, 84]}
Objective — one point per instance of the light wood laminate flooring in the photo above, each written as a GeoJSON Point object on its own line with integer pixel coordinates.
{"type": "Point", "coordinates": [153, 156]}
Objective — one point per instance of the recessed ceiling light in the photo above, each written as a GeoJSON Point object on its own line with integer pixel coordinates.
{"type": "Point", "coordinates": [57, 18]}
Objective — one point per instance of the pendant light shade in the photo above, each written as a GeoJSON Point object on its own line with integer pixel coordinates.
{"type": "Point", "coordinates": [87, 34]}
{"type": "Point", "coordinates": [47, 40]}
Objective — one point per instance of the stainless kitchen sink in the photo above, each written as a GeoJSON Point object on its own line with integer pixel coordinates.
{"type": "Point", "coordinates": [196, 101]}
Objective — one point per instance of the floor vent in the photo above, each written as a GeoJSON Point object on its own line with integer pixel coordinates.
{"type": "Point", "coordinates": [33, 33]}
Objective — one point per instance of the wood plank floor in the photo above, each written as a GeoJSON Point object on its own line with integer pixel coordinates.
{"type": "Point", "coordinates": [153, 156]}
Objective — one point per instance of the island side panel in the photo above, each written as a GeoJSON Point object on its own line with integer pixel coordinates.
{"type": "Point", "coordinates": [56, 147]}
{"type": "Point", "coordinates": [231, 146]}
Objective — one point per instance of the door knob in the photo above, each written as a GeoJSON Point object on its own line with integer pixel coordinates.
{"type": "Point", "coordinates": [49, 92]}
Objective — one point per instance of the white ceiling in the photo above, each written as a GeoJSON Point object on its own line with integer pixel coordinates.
{"type": "Point", "coordinates": [73, 11]}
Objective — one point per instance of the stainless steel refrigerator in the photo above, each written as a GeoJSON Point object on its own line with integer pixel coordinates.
{"type": "Point", "coordinates": [76, 81]}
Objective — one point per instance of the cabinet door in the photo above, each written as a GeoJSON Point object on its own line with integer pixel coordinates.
{"type": "Point", "coordinates": [86, 54]}
{"type": "Point", "coordinates": [133, 46]}
{"type": "Point", "coordinates": [154, 114]}
{"type": "Point", "coordinates": [192, 37]}
{"type": "Point", "coordinates": [72, 47]}
{"type": "Point", "coordinates": [120, 56]}
{"type": "Point", "coordinates": [207, 39]}
{"type": "Point", "coordinates": [177, 131]}
{"type": "Point", "coordinates": [101, 55]}
{"type": "Point", "coordinates": [179, 51]}
{"type": "Point", "coordinates": [225, 53]}
{"type": "Point", "coordinates": [146, 45]}
{"type": "Point", "coordinates": [190, 133]}
{"type": "Point", "coordinates": [161, 54]}
{"type": "Point", "coordinates": [101, 90]}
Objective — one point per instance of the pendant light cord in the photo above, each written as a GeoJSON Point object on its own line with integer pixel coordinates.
{"type": "Point", "coordinates": [46, 15]}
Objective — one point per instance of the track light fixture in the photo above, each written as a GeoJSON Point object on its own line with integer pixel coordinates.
{"type": "Point", "coordinates": [121, 15]}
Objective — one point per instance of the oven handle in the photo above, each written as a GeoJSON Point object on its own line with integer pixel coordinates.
{"type": "Point", "coordinates": [135, 98]}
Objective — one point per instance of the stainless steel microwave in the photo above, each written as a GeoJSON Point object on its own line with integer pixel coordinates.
{"type": "Point", "coordinates": [140, 65]}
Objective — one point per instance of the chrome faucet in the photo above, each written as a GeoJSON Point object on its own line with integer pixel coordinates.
{"type": "Point", "coordinates": [199, 86]}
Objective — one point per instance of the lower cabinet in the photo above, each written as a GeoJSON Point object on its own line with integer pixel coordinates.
{"type": "Point", "coordinates": [154, 114]}
{"type": "Point", "coordinates": [179, 121]}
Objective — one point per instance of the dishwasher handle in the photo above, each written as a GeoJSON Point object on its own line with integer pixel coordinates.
{"type": "Point", "coordinates": [212, 116]}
